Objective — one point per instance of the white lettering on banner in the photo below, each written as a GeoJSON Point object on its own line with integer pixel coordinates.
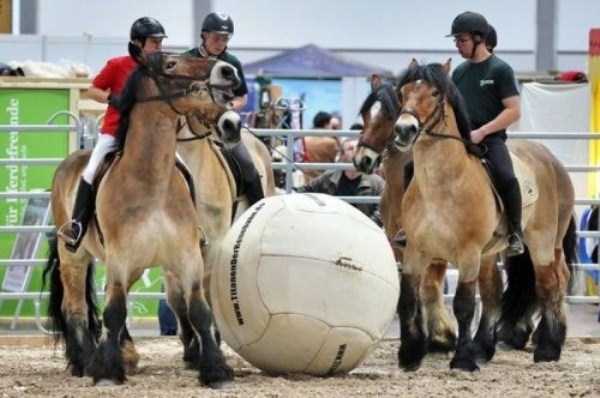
{"type": "Point", "coordinates": [12, 152]}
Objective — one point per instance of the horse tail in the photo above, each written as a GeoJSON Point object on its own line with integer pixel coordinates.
{"type": "Point", "coordinates": [519, 298]}
{"type": "Point", "coordinates": [570, 249]}
{"type": "Point", "coordinates": [51, 277]}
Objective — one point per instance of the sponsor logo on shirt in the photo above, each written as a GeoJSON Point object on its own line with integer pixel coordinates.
{"type": "Point", "coordinates": [486, 82]}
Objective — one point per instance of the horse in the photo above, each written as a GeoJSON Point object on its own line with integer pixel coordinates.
{"type": "Point", "coordinates": [379, 112]}
{"type": "Point", "coordinates": [145, 216]}
{"type": "Point", "coordinates": [219, 201]}
{"type": "Point", "coordinates": [450, 213]}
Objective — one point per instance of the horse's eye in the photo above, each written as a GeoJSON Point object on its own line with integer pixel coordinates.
{"type": "Point", "coordinates": [171, 64]}
{"type": "Point", "coordinates": [435, 93]}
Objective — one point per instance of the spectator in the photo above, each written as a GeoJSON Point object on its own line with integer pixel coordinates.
{"type": "Point", "coordinates": [349, 182]}
{"type": "Point", "coordinates": [322, 120]}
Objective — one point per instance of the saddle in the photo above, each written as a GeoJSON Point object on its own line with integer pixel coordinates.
{"type": "Point", "coordinates": [529, 195]}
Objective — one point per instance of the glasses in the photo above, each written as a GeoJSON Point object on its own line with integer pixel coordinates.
{"type": "Point", "coordinates": [461, 40]}
{"type": "Point", "coordinates": [220, 37]}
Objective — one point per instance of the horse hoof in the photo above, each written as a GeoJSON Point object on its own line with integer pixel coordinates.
{"type": "Point", "coordinates": [215, 375]}
{"type": "Point", "coordinates": [107, 383]}
{"type": "Point", "coordinates": [483, 353]}
{"type": "Point", "coordinates": [220, 385]}
{"type": "Point", "coordinates": [546, 355]}
{"type": "Point", "coordinates": [465, 364]}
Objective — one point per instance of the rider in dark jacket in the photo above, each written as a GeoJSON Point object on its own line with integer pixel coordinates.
{"type": "Point", "coordinates": [217, 30]}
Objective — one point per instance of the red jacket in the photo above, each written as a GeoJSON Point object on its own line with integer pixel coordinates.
{"type": "Point", "coordinates": [113, 77]}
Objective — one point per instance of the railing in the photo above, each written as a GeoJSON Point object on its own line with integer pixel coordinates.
{"type": "Point", "coordinates": [288, 165]}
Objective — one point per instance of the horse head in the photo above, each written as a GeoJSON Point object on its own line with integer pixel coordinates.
{"type": "Point", "coordinates": [187, 83]}
{"type": "Point", "coordinates": [379, 113]}
{"type": "Point", "coordinates": [422, 93]}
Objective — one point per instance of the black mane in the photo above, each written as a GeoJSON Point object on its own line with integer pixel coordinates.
{"type": "Point", "coordinates": [435, 75]}
{"type": "Point", "coordinates": [126, 102]}
{"type": "Point", "coordinates": [386, 94]}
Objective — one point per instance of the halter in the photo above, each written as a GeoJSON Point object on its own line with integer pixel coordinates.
{"type": "Point", "coordinates": [439, 115]}
{"type": "Point", "coordinates": [194, 88]}
{"type": "Point", "coordinates": [196, 135]}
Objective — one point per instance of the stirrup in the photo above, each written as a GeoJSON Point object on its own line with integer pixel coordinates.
{"type": "Point", "coordinates": [63, 232]}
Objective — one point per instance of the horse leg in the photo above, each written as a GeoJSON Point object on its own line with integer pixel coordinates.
{"type": "Point", "coordinates": [490, 290]}
{"type": "Point", "coordinates": [519, 301]}
{"type": "Point", "coordinates": [441, 328]}
{"type": "Point", "coordinates": [176, 300]}
{"type": "Point", "coordinates": [74, 314]}
{"type": "Point", "coordinates": [107, 362]}
{"type": "Point", "coordinates": [131, 357]}
{"type": "Point", "coordinates": [551, 287]}
{"type": "Point", "coordinates": [213, 367]}
{"type": "Point", "coordinates": [413, 334]}
{"type": "Point", "coordinates": [464, 310]}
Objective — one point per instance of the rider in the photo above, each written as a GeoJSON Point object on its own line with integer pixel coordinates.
{"type": "Point", "coordinates": [217, 30]}
{"type": "Point", "coordinates": [491, 40]}
{"type": "Point", "coordinates": [147, 34]}
{"type": "Point", "coordinates": [488, 86]}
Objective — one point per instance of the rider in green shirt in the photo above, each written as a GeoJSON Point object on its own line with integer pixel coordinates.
{"type": "Point", "coordinates": [488, 86]}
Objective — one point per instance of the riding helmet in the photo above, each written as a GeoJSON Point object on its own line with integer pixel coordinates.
{"type": "Point", "coordinates": [215, 22]}
{"type": "Point", "coordinates": [145, 27]}
{"type": "Point", "coordinates": [469, 22]}
{"type": "Point", "coordinates": [491, 39]}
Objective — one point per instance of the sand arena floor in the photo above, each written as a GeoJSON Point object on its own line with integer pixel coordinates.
{"type": "Point", "coordinates": [31, 369]}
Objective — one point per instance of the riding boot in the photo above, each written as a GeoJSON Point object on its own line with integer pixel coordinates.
{"type": "Point", "coordinates": [73, 231]}
{"type": "Point", "coordinates": [251, 178]}
{"type": "Point", "coordinates": [512, 204]}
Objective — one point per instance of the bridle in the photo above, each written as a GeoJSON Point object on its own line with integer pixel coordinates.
{"type": "Point", "coordinates": [195, 88]}
{"type": "Point", "coordinates": [432, 120]}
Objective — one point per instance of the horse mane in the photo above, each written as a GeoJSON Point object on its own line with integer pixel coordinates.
{"type": "Point", "coordinates": [126, 102]}
{"type": "Point", "coordinates": [435, 75]}
{"type": "Point", "coordinates": [386, 94]}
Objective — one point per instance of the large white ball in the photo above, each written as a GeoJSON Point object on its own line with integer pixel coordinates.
{"type": "Point", "coordinates": [304, 283]}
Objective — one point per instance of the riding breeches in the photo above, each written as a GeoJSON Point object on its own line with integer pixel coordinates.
{"type": "Point", "coordinates": [503, 176]}
{"type": "Point", "coordinates": [250, 176]}
{"type": "Point", "coordinates": [106, 143]}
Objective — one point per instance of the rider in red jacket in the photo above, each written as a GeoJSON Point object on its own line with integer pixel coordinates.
{"type": "Point", "coordinates": [146, 33]}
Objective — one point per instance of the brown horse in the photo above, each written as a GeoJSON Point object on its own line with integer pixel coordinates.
{"type": "Point", "coordinates": [145, 217]}
{"type": "Point", "coordinates": [379, 113]}
{"type": "Point", "coordinates": [218, 199]}
{"type": "Point", "coordinates": [449, 215]}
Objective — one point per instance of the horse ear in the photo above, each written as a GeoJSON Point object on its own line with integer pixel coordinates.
{"type": "Point", "coordinates": [137, 54]}
{"type": "Point", "coordinates": [446, 66]}
{"type": "Point", "coordinates": [413, 64]}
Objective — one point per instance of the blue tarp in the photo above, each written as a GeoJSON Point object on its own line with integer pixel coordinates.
{"type": "Point", "coordinates": [309, 61]}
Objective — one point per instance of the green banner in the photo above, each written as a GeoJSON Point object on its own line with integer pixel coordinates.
{"type": "Point", "coordinates": [35, 106]}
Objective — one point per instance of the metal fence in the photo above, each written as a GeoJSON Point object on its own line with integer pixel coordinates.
{"type": "Point", "coordinates": [87, 129]}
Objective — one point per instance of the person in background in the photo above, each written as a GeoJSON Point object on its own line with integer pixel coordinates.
{"type": "Point", "coordinates": [348, 182]}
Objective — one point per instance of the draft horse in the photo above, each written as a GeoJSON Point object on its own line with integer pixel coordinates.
{"type": "Point", "coordinates": [450, 213]}
{"type": "Point", "coordinates": [219, 200]}
{"type": "Point", "coordinates": [145, 217]}
{"type": "Point", "coordinates": [379, 112]}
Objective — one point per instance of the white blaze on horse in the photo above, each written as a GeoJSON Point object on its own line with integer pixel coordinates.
{"type": "Point", "coordinates": [145, 217]}
{"type": "Point", "coordinates": [450, 214]}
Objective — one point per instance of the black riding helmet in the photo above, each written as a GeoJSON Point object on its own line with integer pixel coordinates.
{"type": "Point", "coordinates": [145, 27]}
{"type": "Point", "coordinates": [469, 22]}
{"type": "Point", "coordinates": [220, 23]}
{"type": "Point", "coordinates": [491, 40]}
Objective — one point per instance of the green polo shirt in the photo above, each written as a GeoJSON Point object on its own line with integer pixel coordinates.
{"type": "Point", "coordinates": [484, 85]}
